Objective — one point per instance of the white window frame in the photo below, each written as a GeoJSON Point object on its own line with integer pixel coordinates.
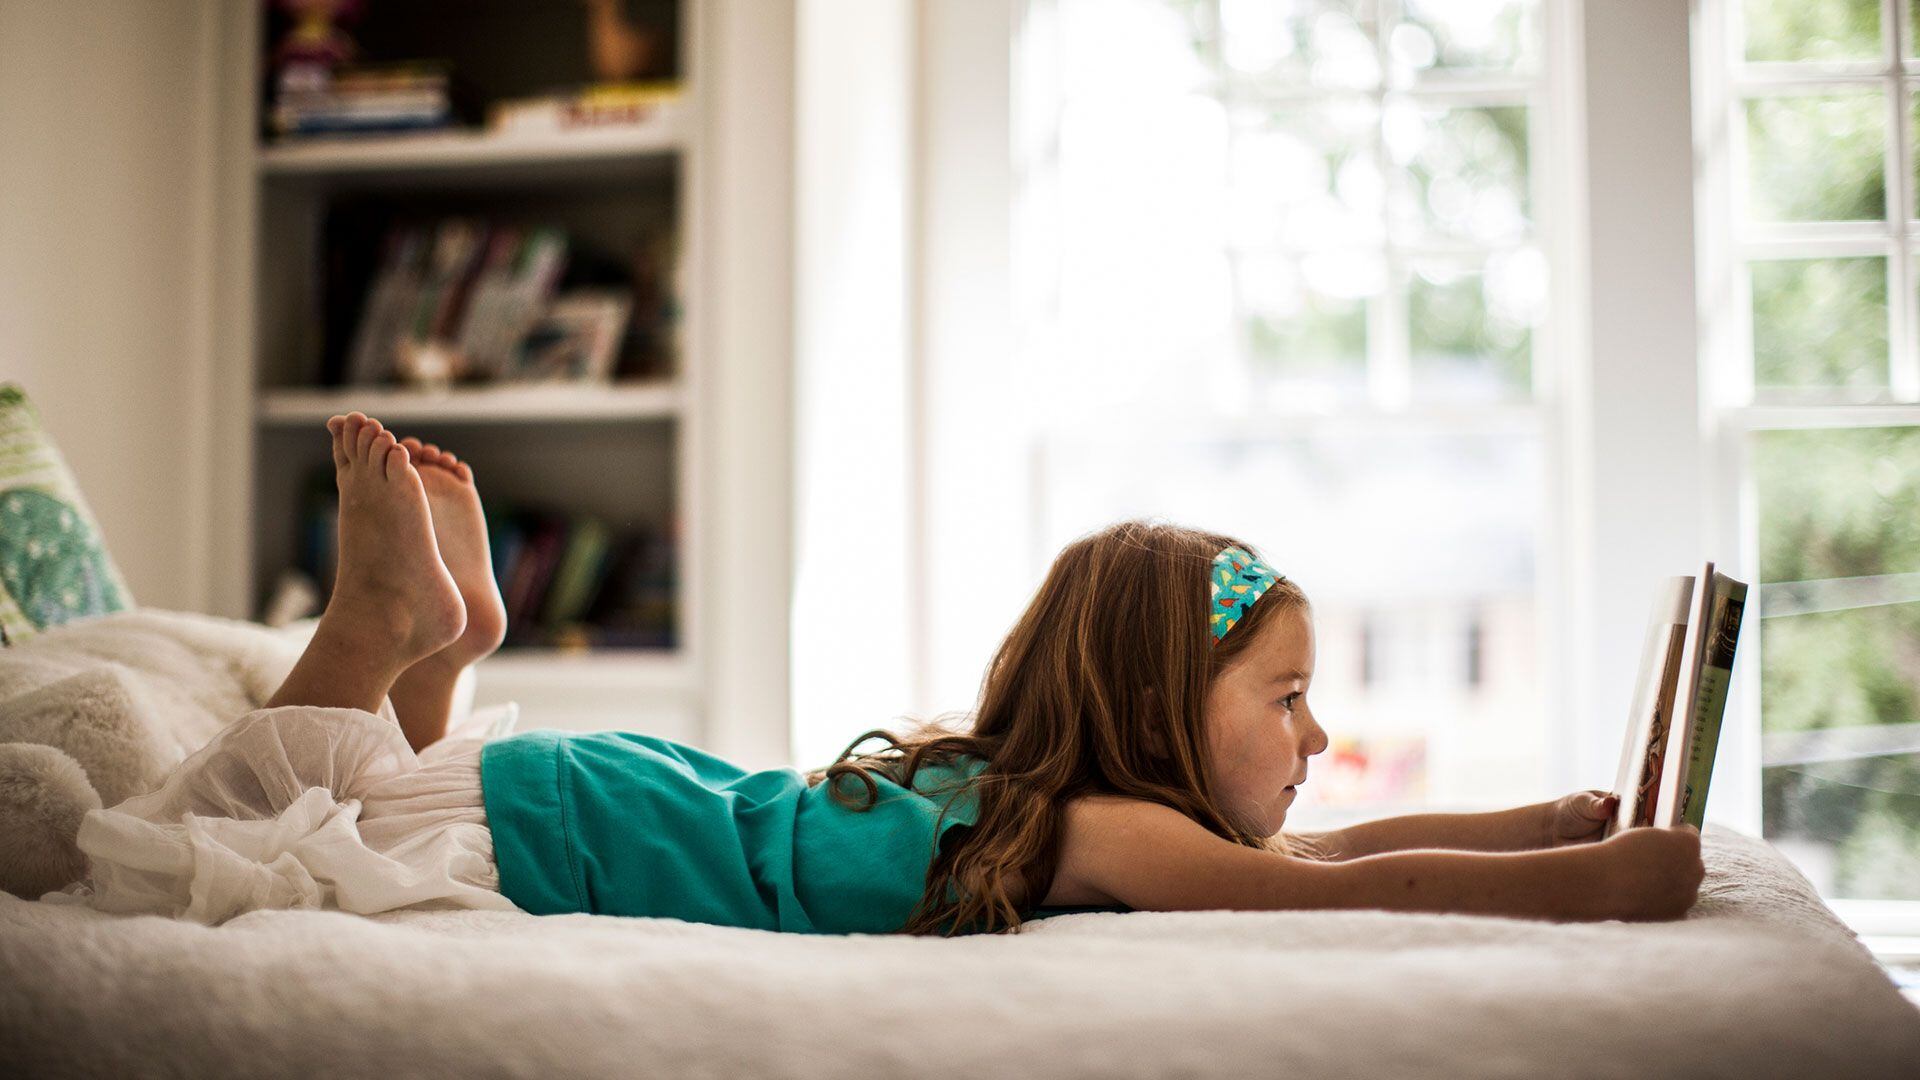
{"type": "Point", "coordinates": [1734, 410]}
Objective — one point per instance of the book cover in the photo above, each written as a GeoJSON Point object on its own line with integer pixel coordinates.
{"type": "Point", "coordinates": [1680, 731]}
{"type": "Point", "coordinates": [1651, 715]}
{"type": "Point", "coordinates": [1710, 701]}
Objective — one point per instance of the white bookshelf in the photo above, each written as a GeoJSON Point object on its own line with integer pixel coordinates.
{"type": "Point", "coordinates": [625, 452]}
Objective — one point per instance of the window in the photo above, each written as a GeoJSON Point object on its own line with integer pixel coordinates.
{"type": "Point", "coordinates": [1808, 124]}
{"type": "Point", "coordinates": [1282, 272]}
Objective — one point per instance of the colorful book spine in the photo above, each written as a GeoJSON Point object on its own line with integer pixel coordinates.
{"type": "Point", "coordinates": [1710, 702]}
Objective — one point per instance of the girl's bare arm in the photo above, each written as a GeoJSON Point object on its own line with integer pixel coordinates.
{"type": "Point", "coordinates": [1575, 819]}
{"type": "Point", "coordinates": [1151, 857]}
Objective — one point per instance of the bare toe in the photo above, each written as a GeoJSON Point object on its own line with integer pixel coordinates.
{"type": "Point", "coordinates": [363, 443]}
{"type": "Point", "coordinates": [378, 448]}
{"type": "Point", "coordinates": [396, 461]}
{"type": "Point", "coordinates": [416, 451]}
{"type": "Point", "coordinates": [339, 452]}
{"type": "Point", "coordinates": [349, 437]}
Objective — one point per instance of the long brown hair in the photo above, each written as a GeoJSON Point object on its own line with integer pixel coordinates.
{"type": "Point", "coordinates": [1098, 689]}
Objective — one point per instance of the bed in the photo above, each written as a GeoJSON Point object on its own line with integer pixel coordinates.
{"type": "Point", "coordinates": [1760, 980]}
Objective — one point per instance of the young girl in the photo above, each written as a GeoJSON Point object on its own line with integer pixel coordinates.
{"type": "Point", "coordinates": [1139, 738]}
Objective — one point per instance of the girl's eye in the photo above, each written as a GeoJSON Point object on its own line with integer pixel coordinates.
{"type": "Point", "coordinates": [1290, 699]}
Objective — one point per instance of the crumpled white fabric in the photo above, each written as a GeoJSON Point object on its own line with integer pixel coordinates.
{"type": "Point", "coordinates": [302, 807]}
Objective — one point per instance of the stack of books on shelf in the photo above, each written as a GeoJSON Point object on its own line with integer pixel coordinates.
{"type": "Point", "coordinates": [570, 581]}
{"type": "Point", "coordinates": [310, 99]}
{"type": "Point", "coordinates": [600, 106]}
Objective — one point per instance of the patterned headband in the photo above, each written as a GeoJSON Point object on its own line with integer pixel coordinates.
{"type": "Point", "coordinates": [1237, 580]}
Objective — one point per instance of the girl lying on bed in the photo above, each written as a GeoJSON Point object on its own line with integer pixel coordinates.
{"type": "Point", "coordinates": [1139, 738]}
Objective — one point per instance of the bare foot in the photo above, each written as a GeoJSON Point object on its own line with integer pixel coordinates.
{"type": "Point", "coordinates": [460, 528]}
{"type": "Point", "coordinates": [392, 589]}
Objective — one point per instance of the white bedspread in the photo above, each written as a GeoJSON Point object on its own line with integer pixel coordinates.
{"type": "Point", "coordinates": [1759, 981]}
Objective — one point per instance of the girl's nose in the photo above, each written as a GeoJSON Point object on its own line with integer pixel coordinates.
{"type": "Point", "coordinates": [1316, 737]}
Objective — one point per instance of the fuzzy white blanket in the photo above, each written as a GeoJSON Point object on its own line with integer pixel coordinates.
{"type": "Point", "coordinates": [1759, 981]}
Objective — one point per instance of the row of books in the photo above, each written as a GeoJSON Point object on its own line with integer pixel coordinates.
{"type": "Point", "coordinates": [572, 581]}
{"type": "Point", "coordinates": [470, 300]}
{"type": "Point", "coordinates": [568, 580]}
{"type": "Point", "coordinates": [313, 99]}
{"type": "Point", "coordinates": [457, 296]}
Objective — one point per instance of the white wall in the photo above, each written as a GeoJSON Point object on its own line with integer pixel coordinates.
{"type": "Point", "coordinates": [1634, 471]}
{"type": "Point", "coordinates": [748, 60]}
{"type": "Point", "coordinates": [103, 271]}
{"type": "Point", "coordinates": [854, 596]}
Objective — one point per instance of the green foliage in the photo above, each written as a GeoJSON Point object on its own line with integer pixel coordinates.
{"type": "Point", "coordinates": [1330, 334]}
{"type": "Point", "coordinates": [1817, 157]}
{"type": "Point", "coordinates": [1838, 504]}
{"type": "Point", "coordinates": [1449, 319]}
{"type": "Point", "coordinates": [1813, 29]}
{"type": "Point", "coordinates": [1472, 150]}
{"type": "Point", "coordinates": [1820, 323]}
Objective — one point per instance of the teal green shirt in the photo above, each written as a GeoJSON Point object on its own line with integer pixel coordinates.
{"type": "Point", "coordinates": [617, 823]}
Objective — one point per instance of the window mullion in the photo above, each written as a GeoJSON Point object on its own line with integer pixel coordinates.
{"type": "Point", "coordinates": [1389, 367]}
{"type": "Point", "coordinates": [1901, 372]}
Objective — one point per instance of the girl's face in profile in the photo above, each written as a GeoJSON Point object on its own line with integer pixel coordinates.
{"type": "Point", "coordinates": [1260, 730]}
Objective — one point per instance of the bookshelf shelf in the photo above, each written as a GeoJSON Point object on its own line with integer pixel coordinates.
{"type": "Point", "coordinates": [508, 404]}
{"type": "Point", "coordinates": [455, 151]}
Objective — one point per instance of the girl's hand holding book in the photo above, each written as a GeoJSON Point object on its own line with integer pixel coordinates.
{"type": "Point", "coordinates": [1579, 818]}
{"type": "Point", "coordinates": [1651, 872]}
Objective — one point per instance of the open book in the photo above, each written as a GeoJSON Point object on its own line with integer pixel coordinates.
{"type": "Point", "coordinates": [1673, 731]}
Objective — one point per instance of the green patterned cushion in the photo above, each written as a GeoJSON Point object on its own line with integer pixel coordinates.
{"type": "Point", "coordinates": [53, 566]}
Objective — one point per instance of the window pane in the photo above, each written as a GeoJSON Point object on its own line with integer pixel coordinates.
{"type": "Point", "coordinates": [1840, 778]}
{"type": "Point", "coordinates": [1307, 177]}
{"type": "Point", "coordinates": [1467, 171]}
{"type": "Point", "coordinates": [1913, 123]}
{"type": "Point", "coordinates": [1816, 158]}
{"type": "Point", "coordinates": [1470, 327]}
{"type": "Point", "coordinates": [1813, 29]}
{"type": "Point", "coordinates": [1483, 36]}
{"type": "Point", "coordinates": [1838, 503]}
{"type": "Point", "coordinates": [1418, 553]}
{"type": "Point", "coordinates": [1325, 43]}
{"type": "Point", "coordinates": [1819, 324]}
{"type": "Point", "coordinates": [1306, 325]}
